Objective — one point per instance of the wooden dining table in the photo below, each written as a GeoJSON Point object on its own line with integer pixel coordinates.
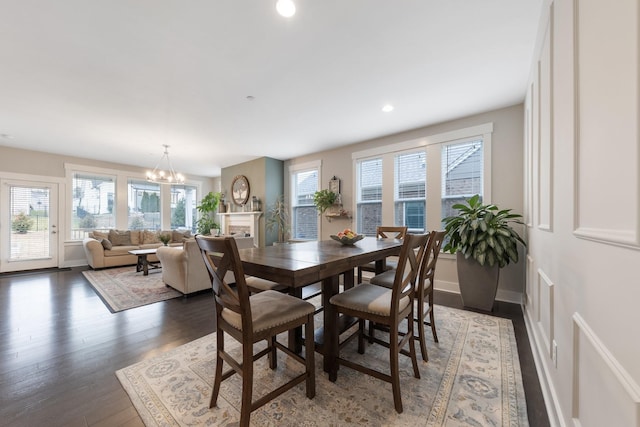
{"type": "Point", "coordinates": [301, 264]}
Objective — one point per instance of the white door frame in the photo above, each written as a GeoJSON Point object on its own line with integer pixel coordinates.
{"type": "Point", "coordinates": [52, 261]}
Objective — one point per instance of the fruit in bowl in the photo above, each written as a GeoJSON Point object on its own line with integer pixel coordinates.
{"type": "Point", "coordinates": [347, 237]}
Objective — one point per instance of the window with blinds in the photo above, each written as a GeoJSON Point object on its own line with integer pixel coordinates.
{"type": "Point", "coordinates": [462, 173]}
{"type": "Point", "coordinates": [304, 215]}
{"type": "Point", "coordinates": [410, 188]}
{"type": "Point", "coordinates": [369, 196]}
{"type": "Point", "coordinates": [92, 204]}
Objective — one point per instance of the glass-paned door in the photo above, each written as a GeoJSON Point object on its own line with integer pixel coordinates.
{"type": "Point", "coordinates": [29, 226]}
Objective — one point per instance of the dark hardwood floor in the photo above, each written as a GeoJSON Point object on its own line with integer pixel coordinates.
{"type": "Point", "coordinates": [60, 347]}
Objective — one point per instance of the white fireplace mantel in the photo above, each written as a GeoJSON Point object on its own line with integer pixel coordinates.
{"type": "Point", "coordinates": [247, 220]}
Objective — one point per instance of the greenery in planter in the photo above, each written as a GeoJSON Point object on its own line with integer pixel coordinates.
{"type": "Point", "coordinates": [207, 209]}
{"type": "Point", "coordinates": [22, 223]}
{"type": "Point", "coordinates": [324, 199]}
{"type": "Point", "coordinates": [165, 238]}
{"type": "Point", "coordinates": [277, 218]}
{"type": "Point", "coordinates": [483, 232]}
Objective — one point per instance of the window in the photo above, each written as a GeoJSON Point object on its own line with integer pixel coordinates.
{"type": "Point", "coordinates": [369, 196]}
{"type": "Point", "coordinates": [183, 207]}
{"type": "Point", "coordinates": [144, 205]}
{"type": "Point", "coordinates": [304, 215]}
{"type": "Point", "coordinates": [462, 171]}
{"type": "Point", "coordinates": [410, 190]}
{"type": "Point", "coordinates": [92, 204]}
{"type": "Point", "coordinates": [393, 181]}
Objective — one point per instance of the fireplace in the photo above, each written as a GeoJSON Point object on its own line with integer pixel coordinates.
{"type": "Point", "coordinates": [241, 222]}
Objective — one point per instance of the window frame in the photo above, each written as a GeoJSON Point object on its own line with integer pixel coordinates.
{"type": "Point", "coordinates": [294, 170]}
{"type": "Point", "coordinates": [432, 144]}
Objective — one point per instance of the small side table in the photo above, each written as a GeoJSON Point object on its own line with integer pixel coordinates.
{"type": "Point", "coordinates": [143, 263]}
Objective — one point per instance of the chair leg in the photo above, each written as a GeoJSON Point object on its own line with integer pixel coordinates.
{"type": "Point", "coordinates": [361, 336]}
{"type": "Point", "coordinates": [421, 334]}
{"type": "Point", "coordinates": [394, 353]}
{"type": "Point", "coordinates": [372, 328]}
{"type": "Point", "coordinates": [247, 384]}
{"type": "Point", "coordinates": [359, 275]}
{"type": "Point", "coordinates": [218, 374]}
{"type": "Point", "coordinates": [273, 355]}
{"type": "Point", "coordinates": [310, 358]}
{"type": "Point", "coordinates": [432, 320]}
{"type": "Point", "coordinates": [412, 347]}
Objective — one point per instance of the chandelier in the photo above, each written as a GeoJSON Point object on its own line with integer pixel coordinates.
{"type": "Point", "coordinates": [167, 175]}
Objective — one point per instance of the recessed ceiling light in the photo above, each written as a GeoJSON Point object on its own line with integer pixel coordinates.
{"type": "Point", "coordinates": [286, 8]}
{"type": "Point", "coordinates": [250, 97]}
{"type": "Point", "coordinates": [6, 136]}
{"type": "Point", "coordinates": [387, 108]}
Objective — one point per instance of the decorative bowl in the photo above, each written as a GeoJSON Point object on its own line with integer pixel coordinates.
{"type": "Point", "coordinates": [346, 240]}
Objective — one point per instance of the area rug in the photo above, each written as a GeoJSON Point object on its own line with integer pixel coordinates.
{"type": "Point", "coordinates": [472, 378]}
{"type": "Point", "coordinates": [121, 288]}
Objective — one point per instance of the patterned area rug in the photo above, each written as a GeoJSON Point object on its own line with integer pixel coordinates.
{"type": "Point", "coordinates": [122, 288]}
{"type": "Point", "coordinates": [472, 379]}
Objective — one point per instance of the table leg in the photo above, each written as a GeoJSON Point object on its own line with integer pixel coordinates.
{"type": "Point", "coordinates": [348, 279]}
{"type": "Point", "coordinates": [330, 287]}
{"type": "Point", "coordinates": [139, 264]}
{"type": "Point", "coordinates": [145, 265]}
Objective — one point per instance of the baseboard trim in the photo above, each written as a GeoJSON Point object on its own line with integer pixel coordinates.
{"type": "Point", "coordinates": [546, 384]}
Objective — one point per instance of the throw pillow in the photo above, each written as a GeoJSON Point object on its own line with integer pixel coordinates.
{"type": "Point", "coordinates": [120, 237]}
{"type": "Point", "coordinates": [99, 235]}
{"type": "Point", "coordinates": [106, 244]}
{"type": "Point", "coordinates": [150, 236]}
{"type": "Point", "coordinates": [180, 236]}
{"type": "Point", "coordinates": [135, 237]}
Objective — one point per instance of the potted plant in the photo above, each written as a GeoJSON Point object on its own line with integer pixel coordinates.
{"type": "Point", "coordinates": [324, 199]}
{"type": "Point", "coordinates": [277, 218]}
{"type": "Point", "coordinates": [207, 209]}
{"type": "Point", "coordinates": [165, 238]}
{"type": "Point", "coordinates": [484, 241]}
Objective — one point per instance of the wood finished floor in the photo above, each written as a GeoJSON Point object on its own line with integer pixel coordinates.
{"type": "Point", "coordinates": [60, 347]}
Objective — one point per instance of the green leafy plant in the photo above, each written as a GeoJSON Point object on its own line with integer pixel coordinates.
{"type": "Point", "coordinates": [324, 199]}
{"type": "Point", "coordinates": [165, 238]}
{"type": "Point", "coordinates": [483, 232]}
{"type": "Point", "coordinates": [207, 209]}
{"type": "Point", "coordinates": [277, 218]}
{"type": "Point", "coordinates": [22, 223]}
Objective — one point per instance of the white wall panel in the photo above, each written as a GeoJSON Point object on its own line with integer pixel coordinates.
{"type": "Point", "coordinates": [603, 392]}
{"type": "Point", "coordinates": [545, 134]}
{"type": "Point", "coordinates": [606, 75]}
{"type": "Point", "coordinates": [545, 309]}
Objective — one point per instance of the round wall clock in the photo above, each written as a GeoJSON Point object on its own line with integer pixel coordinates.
{"type": "Point", "coordinates": [240, 190]}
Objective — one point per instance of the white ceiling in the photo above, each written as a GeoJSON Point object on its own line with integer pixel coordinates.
{"type": "Point", "coordinates": [116, 79]}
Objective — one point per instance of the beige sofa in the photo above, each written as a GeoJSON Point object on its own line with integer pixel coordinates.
{"type": "Point", "coordinates": [111, 249]}
{"type": "Point", "coordinates": [183, 268]}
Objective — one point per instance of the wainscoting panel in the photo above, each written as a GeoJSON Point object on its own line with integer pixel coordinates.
{"type": "Point", "coordinates": [528, 158]}
{"type": "Point", "coordinates": [545, 309]}
{"type": "Point", "coordinates": [607, 108]}
{"type": "Point", "coordinates": [531, 274]}
{"type": "Point", "coordinates": [545, 132]}
{"type": "Point", "coordinates": [603, 392]}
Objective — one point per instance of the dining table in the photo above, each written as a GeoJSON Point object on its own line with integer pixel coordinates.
{"type": "Point", "coordinates": [304, 263]}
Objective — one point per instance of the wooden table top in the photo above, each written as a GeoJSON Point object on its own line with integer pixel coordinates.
{"type": "Point", "coordinates": [300, 264]}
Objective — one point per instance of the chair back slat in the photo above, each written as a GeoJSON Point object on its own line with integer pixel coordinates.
{"type": "Point", "coordinates": [436, 238]}
{"type": "Point", "coordinates": [391, 232]}
{"type": "Point", "coordinates": [409, 261]}
{"type": "Point", "coordinates": [220, 255]}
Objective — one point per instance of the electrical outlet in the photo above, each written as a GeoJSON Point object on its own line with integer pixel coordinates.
{"type": "Point", "coordinates": [554, 353]}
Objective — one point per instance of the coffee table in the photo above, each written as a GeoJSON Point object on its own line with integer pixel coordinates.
{"type": "Point", "coordinates": [143, 263]}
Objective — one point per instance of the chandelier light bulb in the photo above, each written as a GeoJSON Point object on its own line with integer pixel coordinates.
{"type": "Point", "coordinates": [286, 8]}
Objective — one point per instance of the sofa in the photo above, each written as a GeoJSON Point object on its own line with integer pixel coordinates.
{"type": "Point", "coordinates": [111, 249]}
{"type": "Point", "coordinates": [183, 268]}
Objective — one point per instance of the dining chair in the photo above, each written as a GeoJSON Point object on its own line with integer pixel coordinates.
{"type": "Point", "coordinates": [424, 289]}
{"type": "Point", "coordinates": [387, 307]}
{"type": "Point", "coordinates": [383, 232]}
{"type": "Point", "coordinates": [249, 319]}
